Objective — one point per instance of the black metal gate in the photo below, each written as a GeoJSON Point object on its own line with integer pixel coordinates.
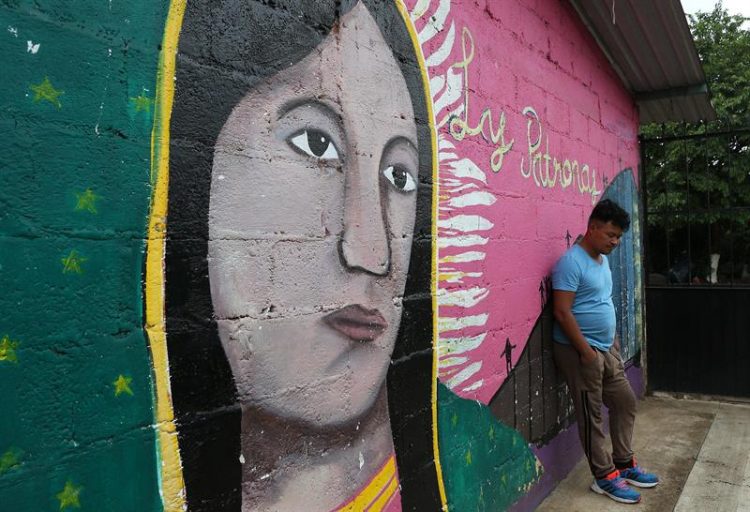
{"type": "Point", "coordinates": [697, 253]}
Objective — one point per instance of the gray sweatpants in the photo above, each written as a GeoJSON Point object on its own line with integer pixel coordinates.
{"type": "Point", "coordinates": [594, 384]}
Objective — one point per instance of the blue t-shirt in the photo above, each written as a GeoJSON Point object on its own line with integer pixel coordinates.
{"type": "Point", "coordinates": [593, 308]}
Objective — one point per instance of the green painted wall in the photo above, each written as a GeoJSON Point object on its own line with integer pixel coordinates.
{"type": "Point", "coordinates": [75, 119]}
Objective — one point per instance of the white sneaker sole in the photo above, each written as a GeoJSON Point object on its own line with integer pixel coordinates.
{"type": "Point", "coordinates": [640, 484]}
{"type": "Point", "coordinates": [599, 490]}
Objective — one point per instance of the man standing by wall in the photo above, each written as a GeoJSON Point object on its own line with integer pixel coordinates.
{"type": "Point", "coordinates": [588, 355]}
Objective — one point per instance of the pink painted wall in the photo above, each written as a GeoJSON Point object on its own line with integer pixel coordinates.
{"type": "Point", "coordinates": [527, 54]}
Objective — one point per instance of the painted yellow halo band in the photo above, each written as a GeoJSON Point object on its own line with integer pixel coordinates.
{"type": "Point", "coordinates": [171, 482]}
{"type": "Point", "coordinates": [434, 261]}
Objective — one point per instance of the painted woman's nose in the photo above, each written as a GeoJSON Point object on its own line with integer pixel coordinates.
{"type": "Point", "coordinates": [364, 244]}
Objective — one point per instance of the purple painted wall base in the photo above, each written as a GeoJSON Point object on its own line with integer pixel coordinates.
{"type": "Point", "coordinates": [562, 454]}
{"type": "Point", "coordinates": [635, 376]}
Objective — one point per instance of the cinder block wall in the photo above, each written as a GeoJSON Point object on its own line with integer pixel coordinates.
{"type": "Point", "coordinates": [296, 255]}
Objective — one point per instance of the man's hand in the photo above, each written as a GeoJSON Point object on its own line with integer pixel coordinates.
{"type": "Point", "coordinates": [588, 356]}
{"type": "Point", "coordinates": [562, 302]}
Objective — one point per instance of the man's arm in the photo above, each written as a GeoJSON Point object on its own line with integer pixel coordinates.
{"type": "Point", "coordinates": [562, 303]}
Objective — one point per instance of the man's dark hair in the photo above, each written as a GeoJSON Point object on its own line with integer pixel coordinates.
{"type": "Point", "coordinates": [609, 211]}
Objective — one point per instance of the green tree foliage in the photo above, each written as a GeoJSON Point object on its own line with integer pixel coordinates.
{"type": "Point", "coordinates": [699, 187]}
{"type": "Point", "coordinates": [724, 48]}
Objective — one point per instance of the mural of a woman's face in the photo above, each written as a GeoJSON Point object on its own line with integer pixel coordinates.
{"type": "Point", "coordinates": [312, 209]}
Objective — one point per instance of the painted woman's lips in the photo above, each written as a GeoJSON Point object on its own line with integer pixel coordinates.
{"type": "Point", "coordinates": [357, 322]}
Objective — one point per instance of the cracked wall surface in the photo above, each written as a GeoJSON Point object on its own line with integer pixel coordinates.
{"type": "Point", "coordinates": [294, 255]}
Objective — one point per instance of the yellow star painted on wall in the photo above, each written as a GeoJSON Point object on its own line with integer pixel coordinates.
{"type": "Point", "coordinates": [491, 433]}
{"type": "Point", "coordinates": [87, 201]}
{"type": "Point", "coordinates": [10, 460]}
{"type": "Point", "coordinates": [468, 457]}
{"type": "Point", "coordinates": [45, 91]}
{"type": "Point", "coordinates": [68, 497]}
{"type": "Point", "coordinates": [72, 263]}
{"type": "Point", "coordinates": [122, 385]}
{"type": "Point", "coordinates": [454, 419]}
{"type": "Point", "coordinates": [8, 350]}
{"type": "Point", "coordinates": [142, 103]}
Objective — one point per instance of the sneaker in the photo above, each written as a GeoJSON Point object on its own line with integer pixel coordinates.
{"type": "Point", "coordinates": [616, 488]}
{"type": "Point", "coordinates": [638, 476]}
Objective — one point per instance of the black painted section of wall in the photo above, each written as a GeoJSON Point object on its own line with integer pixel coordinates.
{"type": "Point", "coordinates": [699, 340]}
{"type": "Point", "coordinates": [534, 399]}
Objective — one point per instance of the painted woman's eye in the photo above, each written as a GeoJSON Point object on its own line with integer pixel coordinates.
{"type": "Point", "coordinates": [400, 178]}
{"type": "Point", "coordinates": [316, 144]}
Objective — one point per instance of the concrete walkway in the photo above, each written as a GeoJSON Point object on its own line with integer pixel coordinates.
{"type": "Point", "coordinates": [700, 449]}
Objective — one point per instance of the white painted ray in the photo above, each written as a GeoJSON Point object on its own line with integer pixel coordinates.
{"type": "Point", "coordinates": [452, 92]}
{"type": "Point", "coordinates": [436, 22]}
{"type": "Point", "coordinates": [420, 9]}
{"type": "Point", "coordinates": [452, 232]}
{"type": "Point", "coordinates": [478, 384]}
{"type": "Point", "coordinates": [452, 361]}
{"type": "Point", "coordinates": [454, 346]}
{"type": "Point", "coordinates": [450, 182]}
{"type": "Point", "coordinates": [442, 53]}
{"type": "Point", "coordinates": [465, 168]}
{"type": "Point", "coordinates": [461, 241]}
{"type": "Point", "coordinates": [436, 85]}
{"type": "Point", "coordinates": [463, 257]}
{"type": "Point", "coordinates": [464, 374]}
{"type": "Point", "coordinates": [444, 373]}
{"type": "Point", "coordinates": [457, 277]}
{"type": "Point", "coordinates": [462, 298]}
{"type": "Point", "coordinates": [444, 143]}
{"type": "Point", "coordinates": [447, 324]}
{"type": "Point", "coordinates": [472, 199]}
{"type": "Point", "coordinates": [452, 189]}
{"type": "Point", "coordinates": [466, 223]}
{"type": "Point", "coordinates": [444, 156]}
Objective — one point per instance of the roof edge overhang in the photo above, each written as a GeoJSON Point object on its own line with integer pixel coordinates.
{"type": "Point", "coordinates": [650, 48]}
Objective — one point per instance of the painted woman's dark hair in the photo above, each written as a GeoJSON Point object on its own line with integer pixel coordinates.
{"type": "Point", "coordinates": [226, 48]}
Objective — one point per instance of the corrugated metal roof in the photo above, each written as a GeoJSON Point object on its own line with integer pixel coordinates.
{"type": "Point", "coordinates": [648, 42]}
